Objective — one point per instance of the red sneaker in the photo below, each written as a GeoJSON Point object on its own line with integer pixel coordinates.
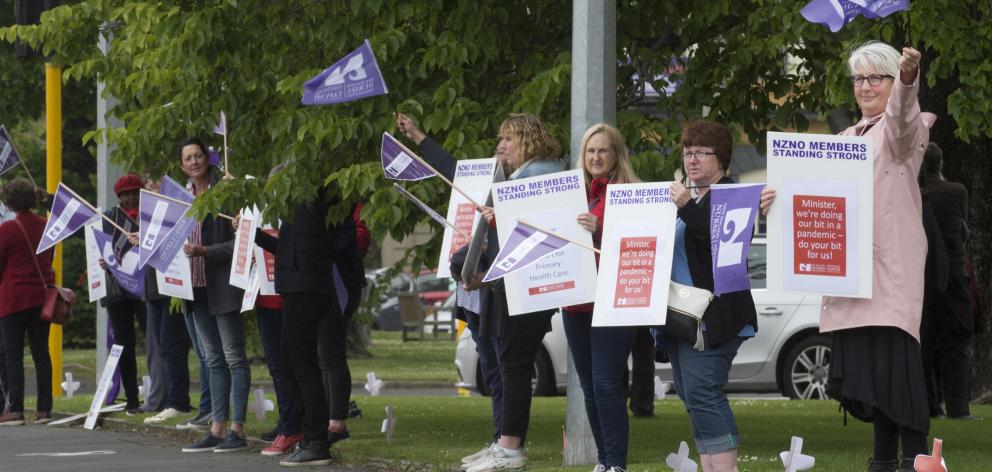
{"type": "Point", "coordinates": [282, 445]}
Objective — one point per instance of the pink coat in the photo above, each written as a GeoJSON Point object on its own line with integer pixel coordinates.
{"type": "Point", "coordinates": [899, 249]}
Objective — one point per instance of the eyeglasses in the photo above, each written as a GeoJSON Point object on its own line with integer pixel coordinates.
{"type": "Point", "coordinates": [873, 79]}
{"type": "Point", "coordinates": [697, 154]}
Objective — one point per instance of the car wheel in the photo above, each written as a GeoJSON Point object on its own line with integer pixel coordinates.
{"type": "Point", "coordinates": [804, 373]}
{"type": "Point", "coordinates": [543, 380]}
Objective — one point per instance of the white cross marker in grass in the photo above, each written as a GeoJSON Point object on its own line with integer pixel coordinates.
{"type": "Point", "coordinates": [389, 424]}
{"type": "Point", "coordinates": [374, 385]}
{"type": "Point", "coordinates": [680, 462]}
{"type": "Point", "coordinates": [69, 386]}
{"type": "Point", "coordinates": [794, 459]}
{"type": "Point", "coordinates": [260, 404]}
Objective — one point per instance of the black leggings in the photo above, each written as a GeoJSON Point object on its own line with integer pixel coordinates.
{"type": "Point", "coordinates": [888, 434]}
{"type": "Point", "coordinates": [15, 326]}
{"type": "Point", "coordinates": [122, 316]}
{"type": "Point", "coordinates": [332, 348]}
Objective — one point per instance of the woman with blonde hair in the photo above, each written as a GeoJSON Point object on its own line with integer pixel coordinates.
{"type": "Point", "coordinates": [600, 353]}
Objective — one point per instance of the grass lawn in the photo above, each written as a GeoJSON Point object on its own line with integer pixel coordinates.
{"type": "Point", "coordinates": [392, 360]}
{"type": "Point", "coordinates": [440, 430]}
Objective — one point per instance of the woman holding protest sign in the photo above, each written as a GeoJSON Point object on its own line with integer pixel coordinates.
{"type": "Point", "coordinates": [701, 372]}
{"type": "Point", "coordinates": [216, 308]}
{"type": "Point", "coordinates": [600, 353]}
{"type": "Point", "coordinates": [876, 369]}
{"type": "Point", "coordinates": [526, 149]}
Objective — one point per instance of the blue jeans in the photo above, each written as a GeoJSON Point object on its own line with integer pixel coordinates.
{"type": "Point", "coordinates": [600, 356]}
{"type": "Point", "coordinates": [206, 402]}
{"type": "Point", "coordinates": [173, 348]}
{"type": "Point", "coordinates": [223, 338]}
{"type": "Point", "coordinates": [270, 330]}
{"type": "Point", "coordinates": [488, 349]}
{"type": "Point", "coordinates": [700, 378]}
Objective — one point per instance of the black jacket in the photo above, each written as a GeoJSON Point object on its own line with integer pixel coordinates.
{"type": "Point", "coordinates": [727, 313]}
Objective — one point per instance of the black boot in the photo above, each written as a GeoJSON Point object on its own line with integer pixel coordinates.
{"type": "Point", "coordinates": [907, 465]}
{"type": "Point", "coordinates": [883, 466]}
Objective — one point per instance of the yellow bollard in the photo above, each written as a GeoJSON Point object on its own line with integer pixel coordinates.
{"type": "Point", "coordinates": [53, 165]}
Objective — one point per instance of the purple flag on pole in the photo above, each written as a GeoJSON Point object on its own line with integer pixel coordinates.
{"type": "Point", "coordinates": [836, 13]}
{"type": "Point", "coordinates": [733, 210]}
{"type": "Point", "coordinates": [354, 77]}
{"type": "Point", "coordinates": [398, 162]}
{"type": "Point", "coordinates": [525, 246]}
{"type": "Point", "coordinates": [158, 216]}
{"type": "Point", "coordinates": [69, 213]}
{"type": "Point", "coordinates": [124, 266]}
{"type": "Point", "coordinates": [174, 240]}
{"type": "Point", "coordinates": [214, 157]}
{"type": "Point", "coordinates": [221, 127]}
{"type": "Point", "coordinates": [8, 155]}
{"type": "Point", "coordinates": [423, 206]}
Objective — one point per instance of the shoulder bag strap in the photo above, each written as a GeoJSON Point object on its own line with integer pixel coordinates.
{"type": "Point", "coordinates": [34, 257]}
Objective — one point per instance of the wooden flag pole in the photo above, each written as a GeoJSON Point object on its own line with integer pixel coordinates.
{"type": "Point", "coordinates": [552, 233]}
{"type": "Point", "coordinates": [445, 179]}
{"type": "Point", "coordinates": [419, 202]}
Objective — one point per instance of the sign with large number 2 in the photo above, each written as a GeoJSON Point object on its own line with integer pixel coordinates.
{"type": "Point", "coordinates": [731, 244]}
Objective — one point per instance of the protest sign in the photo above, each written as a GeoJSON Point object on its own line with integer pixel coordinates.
{"type": "Point", "coordinates": [173, 241]}
{"type": "Point", "coordinates": [251, 290]}
{"type": "Point", "coordinates": [568, 276]}
{"type": "Point", "coordinates": [353, 77]}
{"type": "Point", "coordinates": [475, 177]}
{"type": "Point", "coordinates": [834, 14]}
{"type": "Point", "coordinates": [158, 215]}
{"type": "Point", "coordinates": [267, 265]}
{"type": "Point", "coordinates": [69, 213]}
{"type": "Point", "coordinates": [525, 246]}
{"type": "Point", "coordinates": [244, 244]}
{"type": "Point", "coordinates": [106, 377]}
{"type": "Point", "coordinates": [733, 211]}
{"type": "Point", "coordinates": [820, 226]}
{"type": "Point", "coordinates": [636, 259]}
{"type": "Point", "coordinates": [177, 281]}
{"type": "Point", "coordinates": [96, 278]}
{"type": "Point", "coordinates": [122, 263]}
{"type": "Point", "coordinates": [400, 163]}
{"type": "Point", "coordinates": [8, 154]}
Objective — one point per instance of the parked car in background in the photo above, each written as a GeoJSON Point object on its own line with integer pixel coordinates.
{"type": "Point", "coordinates": [788, 355]}
{"type": "Point", "coordinates": [433, 292]}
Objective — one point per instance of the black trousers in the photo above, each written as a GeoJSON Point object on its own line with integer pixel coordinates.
{"type": "Point", "coordinates": [122, 316]}
{"type": "Point", "coordinates": [14, 326]}
{"type": "Point", "coordinates": [332, 347]}
{"type": "Point", "coordinates": [518, 349]}
{"type": "Point", "coordinates": [642, 373]}
{"type": "Point", "coordinates": [303, 314]}
{"type": "Point", "coordinates": [945, 334]}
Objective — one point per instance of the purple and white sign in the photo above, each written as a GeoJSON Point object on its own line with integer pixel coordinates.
{"type": "Point", "coordinates": [526, 246]}
{"type": "Point", "coordinates": [8, 155]}
{"type": "Point", "coordinates": [158, 216]}
{"type": "Point", "coordinates": [834, 14]}
{"type": "Point", "coordinates": [733, 211]}
{"type": "Point", "coordinates": [221, 127]}
{"type": "Point", "coordinates": [123, 267]}
{"type": "Point", "coordinates": [173, 241]}
{"type": "Point", "coordinates": [69, 214]}
{"type": "Point", "coordinates": [400, 163]}
{"type": "Point", "coordinates": [354, 77]}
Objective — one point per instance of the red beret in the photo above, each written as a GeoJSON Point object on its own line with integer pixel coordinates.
{"type": "Point", "coordinates": [127, 183]}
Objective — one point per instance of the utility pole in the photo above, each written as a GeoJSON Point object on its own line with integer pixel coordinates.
{"type": "Point", "coordinates": [594, 100]}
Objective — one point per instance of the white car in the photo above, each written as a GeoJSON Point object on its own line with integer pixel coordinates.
{"type": "Point", "coordinates": [788, 355]}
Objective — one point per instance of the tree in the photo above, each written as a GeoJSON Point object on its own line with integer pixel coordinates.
{"type": "Point", "coordinates": [460, 66]}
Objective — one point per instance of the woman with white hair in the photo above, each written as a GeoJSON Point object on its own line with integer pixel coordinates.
{"type": "Point", "coordinates": [876, 371]}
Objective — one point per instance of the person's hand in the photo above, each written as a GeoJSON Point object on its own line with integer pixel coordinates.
{"type": "Point", "coordinates": [132, 238]}
{"type": "Point", "coordinates": [408, 128]}
{"type": "Point", "coordinates": [489, 214]}
{"type": "Point", "coordinates": [680, 194]}
{"type": "Point", "coordinates": [909, 65]}
{"type": "Point", "coordinates": [194, 250]}
{"type": "Point", "coordinates": [767, 198]}
{"type": "Point", "coordinates": [103, 264]}
{"type": "Point", "coordinates": [588, 221]}
{"type": "Point", "coordinates": [475, 283]}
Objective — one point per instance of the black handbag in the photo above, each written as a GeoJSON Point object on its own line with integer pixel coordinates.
{"type": "Point", "coordinates": [686, 306]}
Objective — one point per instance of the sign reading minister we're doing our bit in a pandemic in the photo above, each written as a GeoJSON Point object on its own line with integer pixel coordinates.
{"type": "Point", "coordinates": [820, 227]}
{"type": "Point", "coordinates": [551, 201]}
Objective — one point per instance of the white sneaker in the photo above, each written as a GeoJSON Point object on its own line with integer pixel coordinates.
{"type": "Point", "coordinates": [615, 469]}
{"type": "Point", "coordinates": [500, 458]}
{"type": "Point", "coordinates": [478, 455]}
{"type": "Point", "coordinates": [163, 415]}
{"type": "Point", "coordinates": [599, 468]}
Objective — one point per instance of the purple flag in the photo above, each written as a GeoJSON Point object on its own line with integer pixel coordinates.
{"type": "Point", "coordinates": [733, 210]}
{"type": "Point", "coordinates": [214, 157]}
{"type": "Point", "coordinates": [525, 246]}
{"type": "Point", "coordinates": [836, 13]}
{"type": "Point", "coordinates": [123, 266]}
{"type": "Point", "coordinates": [423, 206]}
{"type": "Point", "coordinates": [157, 217]}
{"type": "Point", "coordinates": [174, 240]}
{"type": "Point", "coordinates": [354, 77]}
{"type": "Point", "coordinates": [221, 127]}
{"type": "Point", "coordinates": [69, 213]}
{"type": "Point", "coordinates": [399, 163]}
{"type": "Point", "coordinates": [8, 155]}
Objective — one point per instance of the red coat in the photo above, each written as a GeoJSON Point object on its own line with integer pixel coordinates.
{"type": "Point", "coordinates": [596, 195]}
{"type": "Point", "coordinates": [20, 286]}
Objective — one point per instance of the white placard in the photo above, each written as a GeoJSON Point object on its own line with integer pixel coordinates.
{"type": "Point", "coordinates": [267, 261]}
{"type": "Point", "coordinates": [251, 290]}
{"type": "Point", "coordinates": [96, 277]}
{"type": "Point", "coordinates": [178, 280]}
{"type": "Point", "coordinates": [106, 377]}
{"type": "Point", "coordinates": [552, 201]}
{"type": "Point", "coordinates": [635, 266]}
{"type": "Point", "coordinates": [244, 243]}
{"type": "Point", "coordinates": [820, 226]}
{"type": "Point", "coordinates": [474, 177]}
